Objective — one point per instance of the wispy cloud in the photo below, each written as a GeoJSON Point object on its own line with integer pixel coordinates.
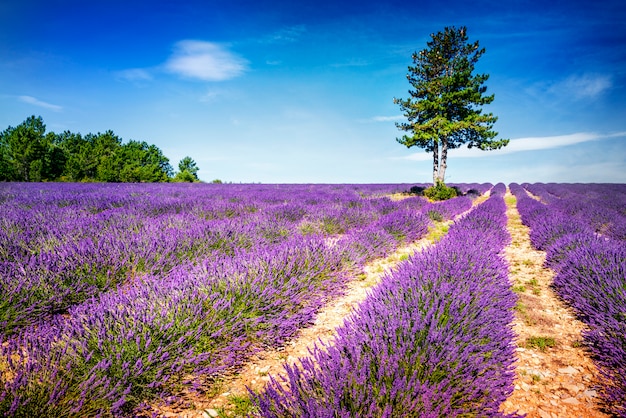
{"type": "Point", "coordinates": [215, 94]}
{"type": "Point", "coordinates": [286, 35]}
{"type": "Point", "coordinates": [205, 61]}
{"type": "Point", "coordinates": [541, 143]}
{"type": "Point", "coordinates": [134, 74]}
{"type": "Point", "coordinates": [352, 62]}
{"type": "Point", "coordinates": [36, 102]}
{"type": "Point", "coordinates": [523, 144]}
{"type": "Point", "coordinates": [210, 96]}
{"type": "Point", "coordinates": [386, 118]}
{"type": "Point", "coordinates": [585, 86]}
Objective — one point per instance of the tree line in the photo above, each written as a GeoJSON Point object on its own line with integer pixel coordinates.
{"type": "Point", "coordinates": [28, 153]}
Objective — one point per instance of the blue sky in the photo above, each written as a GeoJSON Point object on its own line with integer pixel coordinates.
{"type": "Point", "coordinates": [279, 91]}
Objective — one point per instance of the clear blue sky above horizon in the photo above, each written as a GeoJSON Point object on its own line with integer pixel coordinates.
{"type": "Point", "coordinates": [302, 92]}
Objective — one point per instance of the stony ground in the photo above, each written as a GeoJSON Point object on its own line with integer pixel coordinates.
{"type": "Point", "coordinates": [554, 376]}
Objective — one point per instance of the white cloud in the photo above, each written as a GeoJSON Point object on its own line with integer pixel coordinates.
{"type": "Point", "coordinates": [586, 86]}
{"type": "Point", "coordinates": [217, 94]}
{"type": "Point", "coordinates": [547, 142]}
{"type": "Point", "coordinates": [210, 96]}
{"type": "Point", "coordinates": [421, 156]}
{"type": "Point", "coordinates": [523, 144]}
{"type": "Point", "coordinates": [541, 143]}
{"type": "Point", "coordinates": [205, 61]}
{"type": "Point", "coordinates": [387, 118]}
{"type": "Point", "coordinates": [37, 102]}
{"type": "Point", "coordinates": [285, 35]}
{"type": "Point", "coordinates": [134, 74]}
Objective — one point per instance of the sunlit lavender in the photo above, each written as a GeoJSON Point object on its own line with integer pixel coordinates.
{"type": "Point", "coordinates": [115, 295]}
{"type": "Point", "coordinates": [434, 339]}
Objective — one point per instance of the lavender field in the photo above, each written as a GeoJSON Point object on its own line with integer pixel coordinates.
{"type": "Point", "coordinates": [116, 298]}
{"type": "Point", "coordinates": [117, 295]}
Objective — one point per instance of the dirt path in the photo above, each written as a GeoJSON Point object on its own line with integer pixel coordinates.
{"type": "Point", "coordinates": [554, 376]}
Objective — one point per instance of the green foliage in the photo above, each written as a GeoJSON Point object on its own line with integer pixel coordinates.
{"type": "Point", "coordinates": [188, 165]}
{"type": "Point", "coordinates": [308, 228]}
{"type": "Point", "coordinates": [437, 232]}
{"type": "Point", "coordinates": [331, 226]}
{"type": "Point", "coordinates": [184, 176]}
{"type": "Point", "coordinates": [439, 191]}
{"type": "Point", "coordinates": [435, 215]}
{"type": "Point", "coordinates": [444, 108]}
{"type": "Point", "coordinates": [540, 343]}
{"type": "Point", "coordinates": [242, 405]}
{"type": "Point", "coordinates": [519, 288]}
{"type": "Point", "coordinates": [28, 153]}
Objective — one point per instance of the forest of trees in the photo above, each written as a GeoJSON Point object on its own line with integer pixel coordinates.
{"type": "Point", "coordinates": [28, 153]}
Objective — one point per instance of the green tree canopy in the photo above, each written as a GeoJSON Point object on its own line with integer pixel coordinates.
{"type": "Point", "coordinates": [444, 108]}
{"type": "Point", "coordinates": [188, 170]}
{"type": "Point", "coordinates": [28, 153]}
{"type": "Point", "coordinates": [141, 162]}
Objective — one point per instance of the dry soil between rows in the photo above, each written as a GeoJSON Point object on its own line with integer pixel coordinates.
{"type": "Point", "coordinates": [554, 382]}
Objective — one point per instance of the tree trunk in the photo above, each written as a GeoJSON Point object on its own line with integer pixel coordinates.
{"type": "Point", "coordinates": [435, 161]}
{"type": "Point", "coordinates": [444, 159]}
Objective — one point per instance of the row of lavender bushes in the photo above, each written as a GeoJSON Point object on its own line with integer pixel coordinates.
{"type": "Point", "coordinates": [433, 339]}
{"type": "Point", "coordinates": [239, 268]}
{"type": "Point", "coordinates": [62, 244]}
{"type": "Point", "coordinates": [601, 206]}
{"type": "Point", "coordinates": [590, 269]}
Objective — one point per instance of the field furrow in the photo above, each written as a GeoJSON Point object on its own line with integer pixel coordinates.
{"type": "Point", "coordinates": [555, 376]}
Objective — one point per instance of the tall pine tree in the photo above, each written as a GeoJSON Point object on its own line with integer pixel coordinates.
{"type": "Point", "coordinates": [444, 108]}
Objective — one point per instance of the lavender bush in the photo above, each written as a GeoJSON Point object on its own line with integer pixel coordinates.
{"type": "Point", "coordinates": [599, 206]}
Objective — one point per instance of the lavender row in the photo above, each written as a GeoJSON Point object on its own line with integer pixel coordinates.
{"type": "Point", "coordinates": [433, 339]}
{"type": "Point", "coordinates": [61, 244]}
{"type": "Point", "coordinates": [113, 353]}
{"type": "Point", "coordinates": [591, 277]}
{"type": "Point", "coordinates": [601, 206]}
